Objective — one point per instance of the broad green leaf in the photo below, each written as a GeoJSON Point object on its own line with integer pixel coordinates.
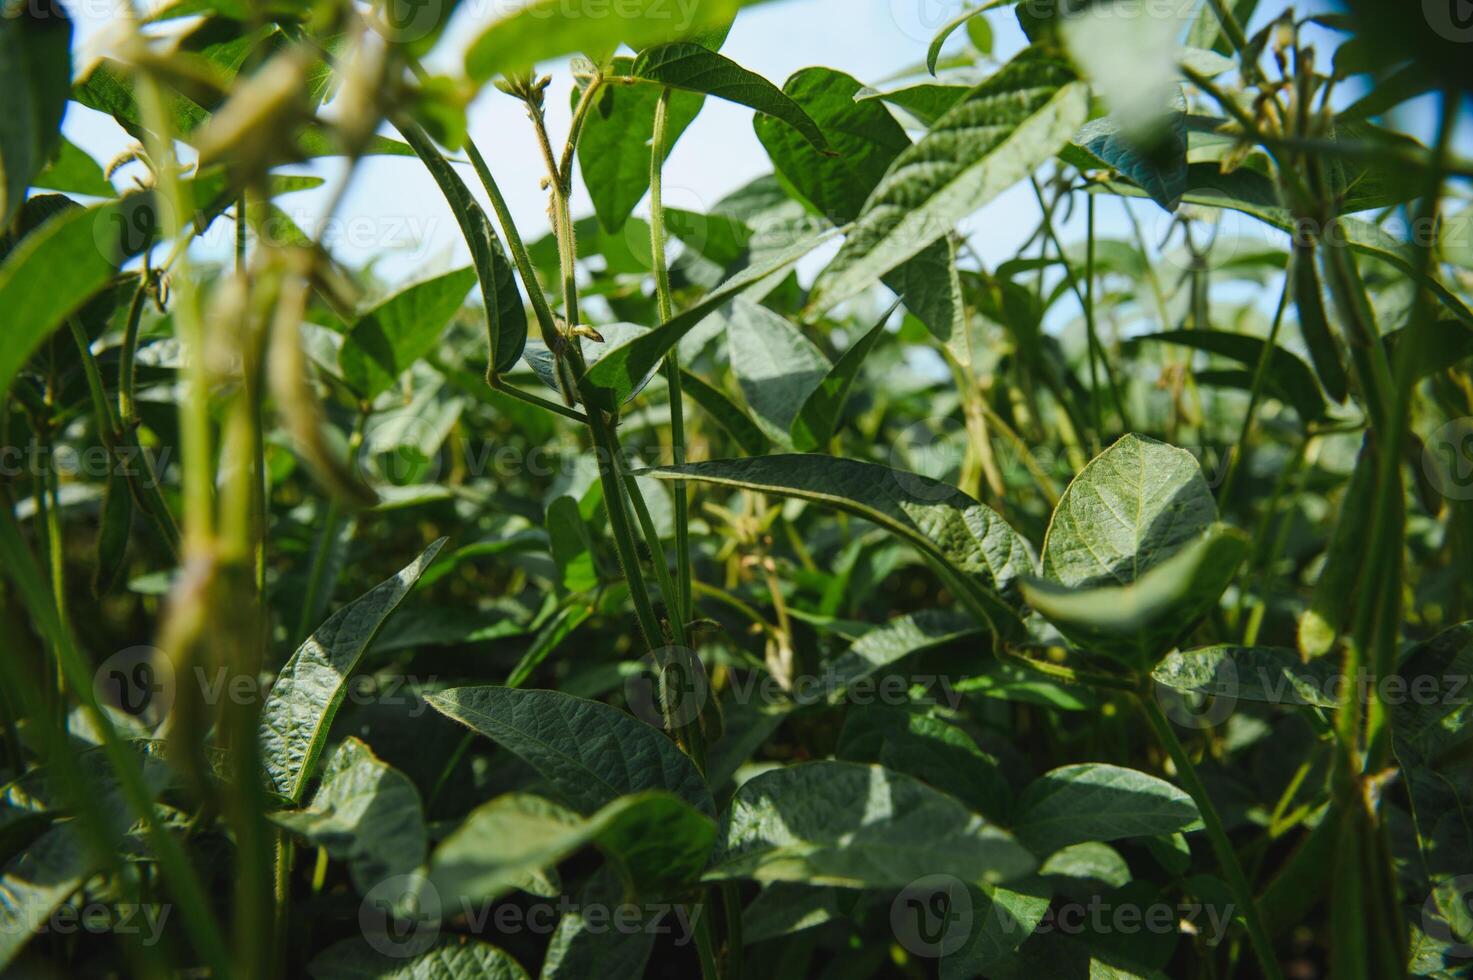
{"type": "Point", "coordinates": [1268, 674]}
{"type": "Point", "coordinates": [1097, 802]}
{"type": "Point", "coordinates": [572, 546]}
{"type": "Point", "coordinates": [655, 839]}
{"type": "Point", "coordinates": [1313, 325]}
{"type": "Point", "coordinates": [1140, 622]}
{"type": "Point", "coordinates": [888, 644]}
{"type": "Point", "coordinates": [546, 29]}
{"type": "Point", "coordinates": [73, 171]}
{"type": "Point", "coordinates": [589, 752]}
{"type": "Point", "coordinates": [1433, 346]}
{"type": "Point", "coordinates": [1002, 920]}
{"type": "Point", "coordinates": [617, 375]}
{"type": "Point", "coordinates": [366, 813]}
{"type": "Point", "coordinates": [819, 417]}
{"type": "Point", "coordinates": [387, 340]}
{"type": "Point", "coordinates": [727, 414]}
{"type": "Point", "coordinates": [506, 318]}
{"type": "Point", "coordinates": [1130, 509]}
{"type": "Point", "coordinates": [35, 883]}
{"type": "Point", "coordinates": [35, 74]}
{"type": "Point", "coordinates": [1158, 166]}
{"type": "Point", "coordinates": [614, 147]}
{"type": "Point", "coordinates": [856, 826]}
{"type": "Point", "coordinates": [1289, 379]}
{"type": "Point", "coordinates": [939, 520]}
{"type": "Point", "coordinates": [695, 68]}
{"type": "Point", "coordinates": [451, 957]}
{"type": "Point", "coordinates": [1085, 869]}
{"type": "Point", "coordinates": [996, 136]}
{"type": "Point", "coordinates": [541, 360]}
{"type": "Point", "coordinates": [931, 749]}
{"type": "Point", "coordinates": [311, 686]}
{"type": "Point", "coordinates": [54, 271]}
{"type": "Point", "coordinates": [866, 139]}
{"type": "Point", "coordinates": [783, 908]}
{"type": "Point", "coordinates": [928, 100]}
{"type": "Point", "coordinates": [775, 364]}
{"type": "Point", "coordinates": [586, 944]}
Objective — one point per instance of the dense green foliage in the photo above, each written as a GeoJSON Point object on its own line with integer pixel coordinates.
{"type": "Point", "coordinates": [649, 598]}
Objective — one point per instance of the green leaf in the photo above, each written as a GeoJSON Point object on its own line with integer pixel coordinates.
{"type": "Point", "coordinates": [996, 136]}
{"type": "Point", "coordinates": [939, 520]}
{"type": "Point", "coordinates": [617, 375]}
{"type": "Point", "coordinates": [572, 546]}
{"type": "Point", "coordinates": [311, 686]}
{"type": "Point", "coordinates": [982, 38]}
{"type": "Point", "coordinates": [865, 139]}
{"type": "Point", "coordinates": [856, 826]}
{"type": "Point", "coordinates": [614, 147]}
{"type": "Point", "coordinates": [73, 171]}
{"type": "Point", "coordinates": [586, 945]}
{"type": "Point", "coordinates": [1130, 509]}
{"type": "Point", "coordinates": [726, 413]}
{"type": "Point", "coordinates": [1268, 674]}
{"type": "Point", "coordinates": [1157, 166]}
{"type": "Point", "coordinates": [655, 840]}
{"type": "Point", "coordinates": [1001, 922]}
{"type": "Point", "coordinates": [544, 365]}
{"type": "Point", "coordinates": [451, 957]}
{"type": "Point", "coordinates": [506, 318]}
{"type": "Point", "coordinates": [775, 364]}
{"type": "Point", "coordinates": [389, 339]}
{"type": "Point", "coordinates": [366, 813]}
{"type": "Point", "coordinates": [932, 750]}
{"type": "Point", "coordinates": [1314, 327]}
{"type": "Point", "coordinates": [55, 270]}
{"type": "Point", "coordinates": [546, 29]}
{"type": "Point", "coordinates": [819, 417]}
{"type": "Point", "coordinates": [1289, 379]}
{"type": "Point", "coordinates": [1096, 802]}
{"type": "Point", "coordinates": [35, 75]}
{"type": "Point", "coordinates": [1140, 622]}
{"type": "Point", "coordinates": [697, 69]}
{"type": "Point", "coordinates": [589, 752]}
{"type": "Point", "coordinates": [927, 101]}
{"type": "Point", "coordinates": [888, 644]}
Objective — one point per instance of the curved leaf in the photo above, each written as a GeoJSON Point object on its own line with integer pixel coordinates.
{"type": "Point", "coordinates": [506, 318]}
{"type": "Point", "coordinates": [996, 136]}
{"type": "Point", "coordinates": [1289, 378]}
{"type": "Point", "coordinates": [726, 413]}
{"type": "Point", "coordinates": [937, 519]}
{"type": "Point", "coordinates": [857, 826]}
{"type": "Point", "coordinates": [775, 364]}
{"type": "Point", "coordinates": [1267, 674]}
{"type": "Point", "coordinates": [655, 838]}
{"type": "Point", "coordinates": [933, 53]}
{"type": "Point", "coordinates": [889, 643]}
{"type": "Point", "coordinates": [695, 68]}
{"type": "Point", "coordinates": [819, 417]}
{"type": "Point", "coordinates": [590, 753]}
{"type": "Point", "coordinates": [36, 75]}
{"type": "Point", "coordinates": [311, 686]}
{"type": "Point", "coordinates": [1097, 802]}
{"type": "Point", "coordinates": [389, 339]}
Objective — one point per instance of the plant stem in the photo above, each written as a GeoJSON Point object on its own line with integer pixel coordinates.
{"type": "Point", "coordinates": [1260, 377]}
{"type": "Point", "coordinates": [1227, 858]}
{"type": "Point", "coordinates": [683, 608]}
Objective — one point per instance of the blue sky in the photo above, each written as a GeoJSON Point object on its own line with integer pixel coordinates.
{"type": "Point", "coordinates": [395, 207]}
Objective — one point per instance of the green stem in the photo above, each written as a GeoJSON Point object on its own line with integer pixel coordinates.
{"type": "Point", "coordinates": [682, 609]}
{"type": "Point", "coordinates": [540, 402]}
{"type": "Point", "coordinates": [319, 588]}
{"type": "Point", "coordinates": [1227, 858]}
